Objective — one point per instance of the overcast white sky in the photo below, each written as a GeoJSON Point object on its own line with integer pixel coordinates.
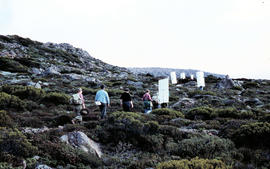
{"type": "Point", "coordinates": [220, 36]}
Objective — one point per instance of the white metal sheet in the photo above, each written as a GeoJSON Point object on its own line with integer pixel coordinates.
{"type": "Point", "coordinates": [163, 91]}
{"type": "Point", "coordinates": [182, 75]}
{"type": "Point", "coordinates": [200, 79]}
{"type": "Point", "coordinates": [173, 78]}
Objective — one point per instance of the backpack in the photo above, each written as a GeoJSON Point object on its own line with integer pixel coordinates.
{"type": "Point", "coordinates": [76, 99]}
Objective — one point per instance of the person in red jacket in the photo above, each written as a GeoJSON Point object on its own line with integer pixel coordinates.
{"type": "Point", "coordinates": [147, 102]}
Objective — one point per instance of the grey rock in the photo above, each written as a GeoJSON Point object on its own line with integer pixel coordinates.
{"type": "Point", "coordinates": [136, 84]}
{"type": "Point", "coordinates": [228, 83]}
{"type": "Point", "coordinates": [4, 73]}
{"type": "Point", "coordinates": [80, 140]}
{"type": "Point", "coordinates": [29, 130]}
{"type": "Point", "coordinates": [253, 101]}
{"type": "Point", "coordinates": [42, 166]}
{"type": "Point", "coordinates": [37, 71]}
{"type": "Point", "coordinates": [51, 71]}
{"type": "Point", "coordinates": [185, 103]}
{"type": "Point", "coordinates": [33, 84]}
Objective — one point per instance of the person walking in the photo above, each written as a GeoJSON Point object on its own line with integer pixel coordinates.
{"type": "Point", "coordinates": [78, 102]}
{"type": "Point", "coordinates": [126, 101]}
{"type": "Point", "coordinates": [147, 102]}
{"type": "Point", "coordinates": [102, 98]}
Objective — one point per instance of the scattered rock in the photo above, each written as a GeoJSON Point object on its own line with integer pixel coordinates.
{"type": "Point", "coordinates": [29, 130]}
{"type": "Point", "coordinates": [253, 102]}
{"type": "Point", "coordinates": [42, 166]}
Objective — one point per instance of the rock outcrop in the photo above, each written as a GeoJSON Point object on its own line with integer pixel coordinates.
{"type": "Point", "coordinates": [80, 140]}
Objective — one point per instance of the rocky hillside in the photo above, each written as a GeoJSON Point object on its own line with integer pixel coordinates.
{"type": "Point", "coordinates": [227, 125]}
{"type": "Point", "coordinates": [155, 71]}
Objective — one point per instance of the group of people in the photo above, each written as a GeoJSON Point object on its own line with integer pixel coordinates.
{"type": "Point", "coordinates": [103, 101]}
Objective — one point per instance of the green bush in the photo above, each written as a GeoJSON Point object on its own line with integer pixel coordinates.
{"type": "Point", "coordinates": [251, 84]}
{"type": "Point", "coordinates": [90, 91]}
{"type": "Point", "coordinates": [255, 134]}
{"type": "Point", "coordinates": [131, 127]}
{"type": "Point", "coordinates": [151, 127]}
{"type": "Point", "coordinates": [168, 114]}
{"type": "Point", "coordinates": [14, 144]}
{"type": "Point", "coordinates": [127, 121]}
{"type": "Point", "coordinates": [200, 92]}
{"type": "Point", "coordinates": [174, 132]}
{"type": "Point", "coordinates": [233, 113]}
{"type": "Point", "coordinates": [56, 98]}
{"type": "Point", "coordinates": [205, 147]}
{"type": "Point", "coordinates": [8, 64]}
{"type": "Point", "coordinates": [195, 163]}
{"type": "Point", "coordinates": [115, 92]}
{"type": "Point", "coordinates": [24, 92]}
{"type": "Point", "coordinates": [8, 166]}
{"type": "Point", "coordinates": [212, 79]}
{"type": "Point", "coordinates": [10, 101]}
{"type": "Point", "coordinates": [204, 113]}
{"type": "Point", "coordinates": [5, 120]}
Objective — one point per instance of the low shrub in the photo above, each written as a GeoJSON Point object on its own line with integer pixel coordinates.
{"type": "Point", "coordinates": [8, 64]}
{"type": "Point", "coordinates": [173, 132]}
{"type": "Point", "coordinates": [127, 121]}
{"type": "Point", "coordinates": [258, 157]}
{"type": "Point", "coordinates": [251, 84]}
{"type": "Point", "coordinates": [203, 113]}
{"type": "Point", "coordinates": [200, 92]}
{"type": "Point", "coordinates": [234, 113]}
{"type": "Point", "coordinates": [10, 101]}
{"type": "Point", "coordinates": [114, 92]}
{"type": "Point", "coordinates": [56, 98]}
{"type": "Point", "coordinates": [14, 144]}
{"type": "Point", "coordinates": [5, 120]}
{"type": "Point", "coordinates": [24, 92]}
{"type": "Point", "coordinates": [256, 134]}
{"type": "Point", "coordinates": [167, 114]}
{"type": "Point", "coordinates": [87, 91]}
{"type": "Point", "coordinates": [195, 163]}
{"type": "Point", "coordinates": [151, 127]}
{"type": "Point", "coordinates": [206, 147]}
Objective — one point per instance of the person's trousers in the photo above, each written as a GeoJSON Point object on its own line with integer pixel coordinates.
{"type": "Point", "coordinates": [103, 110]}
{"type": "Point", "coordinates": [127, 106]}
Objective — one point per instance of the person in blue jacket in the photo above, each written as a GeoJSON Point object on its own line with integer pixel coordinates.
{"type": "Point", "coordinates": [102, 97]}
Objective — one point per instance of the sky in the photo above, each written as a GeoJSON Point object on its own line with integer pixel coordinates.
{"type": "Point", "coordinates": [219, 36]}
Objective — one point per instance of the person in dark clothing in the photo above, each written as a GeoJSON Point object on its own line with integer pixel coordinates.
{"type": "Point", "coordinates": [126, 101]}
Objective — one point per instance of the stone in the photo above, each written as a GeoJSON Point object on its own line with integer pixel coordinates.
{"type": "Point", "coordinates": [253, 101]}
{"type": "Point", "coordinates": [29, 130]}
{"type": "Point", "coordinates": [80, 140]}
{"type": "Point", "coordinates": [53, 70]}
{"type": "Point", "coordinates": [37, 71]}
{"type": "Point", "coordinates": [42, 166]}
{"type": "Point", "coordinates": [184, 102]}
{"type": "Point", "coordinates": [36, 85]}
{"type": "Point", "coordinates": [228, 83]}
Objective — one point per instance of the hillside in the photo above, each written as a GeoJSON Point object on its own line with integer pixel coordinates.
{"type": "Point", "coordinates": [227, 125]}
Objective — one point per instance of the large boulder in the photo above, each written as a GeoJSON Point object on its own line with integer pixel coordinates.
{"type": "Point", "coordinates": [184, 103]}
{"type": "Point", "coordinates": [53, 70]}
{"type": "Point", "coordinates": [228, 83]}
{"type": "Point", "coordinates": [80, 140]}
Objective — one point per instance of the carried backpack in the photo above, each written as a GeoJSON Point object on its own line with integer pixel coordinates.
{"type": "Point", "coordinates": [76, 99]}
